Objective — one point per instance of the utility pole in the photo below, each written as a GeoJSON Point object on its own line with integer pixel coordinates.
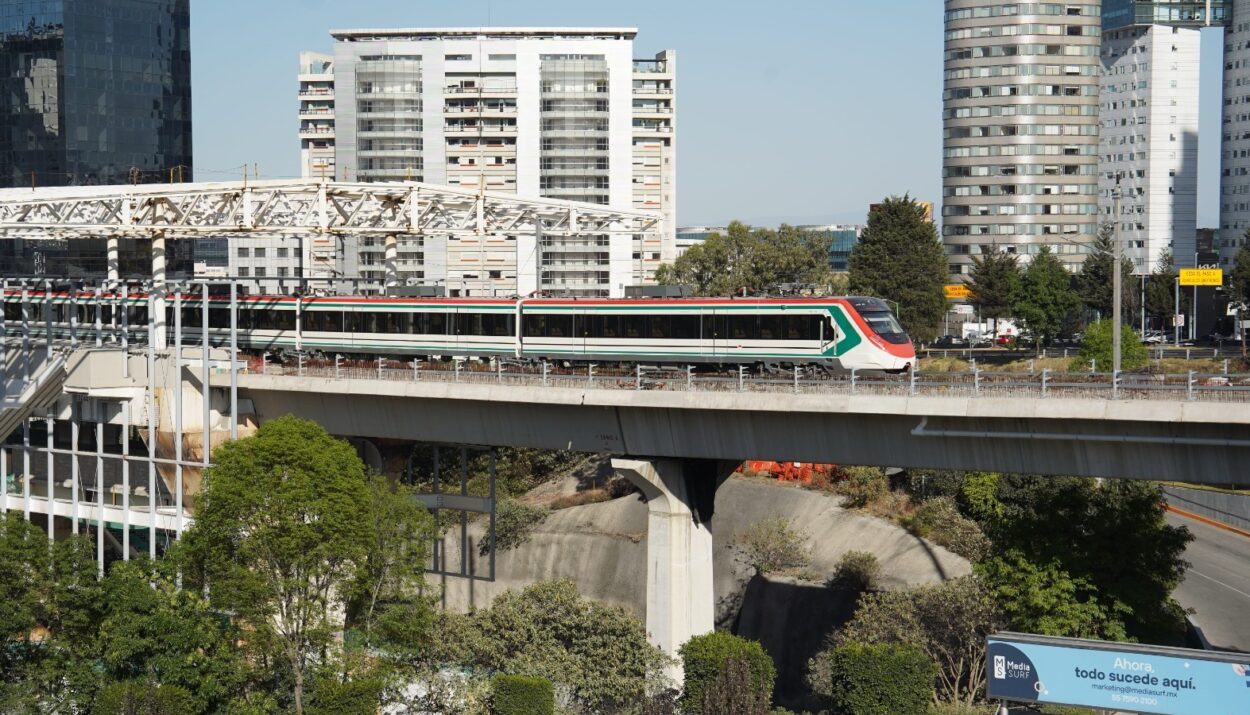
{"type": "Point", "coordinates": [1117, 298]}
{"type": "Point", "coordinates": [1176, 326]}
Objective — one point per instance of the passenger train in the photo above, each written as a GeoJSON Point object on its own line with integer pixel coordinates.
{"type": "Point", "coordinates": [830, 333]}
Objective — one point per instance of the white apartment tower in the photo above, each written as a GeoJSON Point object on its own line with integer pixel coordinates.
{"type": "Point", "coordinates": [564, 113]}
{"type": "Point", "coordinates": [316, 114]}
{"type": "Point", "coordinates": [1149, 142]}
{"type": "Point", "coordinates": [1235, 158]}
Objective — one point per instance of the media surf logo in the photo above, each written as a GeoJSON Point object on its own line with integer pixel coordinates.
{"type": "Point", "coordinates": [1014, 677]}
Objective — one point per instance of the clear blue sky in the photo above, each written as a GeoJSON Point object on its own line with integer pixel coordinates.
{"type": "Point", "coordinates": [792, 110]}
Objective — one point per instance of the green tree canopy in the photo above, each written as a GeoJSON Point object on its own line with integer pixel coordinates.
{"type": "Point", "coordinates": [1095, 282]}
{"type": "Point", "coordinates": [1239, 280]}
{"type": "Point", "coordinates": [994, 280]}
{"type": "Point", "coordinates": [282, 528]}
{"type": "Point", "coordinates": [1161, 291]}
{"type": "Point", "coordinates": [1047, 600]}
{"type": "Point", "coordinates": [899, 257]}
{"type": "Point", "coordinates": [1096, 345]}
{"type": "Point", "coordinates": [754, 260]}
{"type": "Point", "coordinates": [1044, 301]}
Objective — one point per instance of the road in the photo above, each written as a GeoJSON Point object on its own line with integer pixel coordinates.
{"type": "Point", "coordinates": [1217, 584]}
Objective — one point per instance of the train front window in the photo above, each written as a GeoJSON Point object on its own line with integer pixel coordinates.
{"type": "Point", "coordinates": [884, 323]}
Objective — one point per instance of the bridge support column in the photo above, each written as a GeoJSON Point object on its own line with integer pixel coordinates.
{"type": "Point", "coordinates": [680, 597]}
{"type": "Point", "coordinates": [390, 260]}
{"type": "Point", "coordinates": [113, 262]}
{"type": "Point", "coordinates": [156, 306]}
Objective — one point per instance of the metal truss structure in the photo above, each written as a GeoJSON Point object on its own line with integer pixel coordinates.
{"type": "Point", "coordinates": [299, 207]}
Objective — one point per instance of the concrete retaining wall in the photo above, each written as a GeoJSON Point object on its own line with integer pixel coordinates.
{"type": "Point", "coordinates": [1231, 509]}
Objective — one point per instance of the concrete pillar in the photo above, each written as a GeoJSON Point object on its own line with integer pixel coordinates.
{"type": "Point", "coordinates": [390, 260]}
{"type": "Point", "coordinates": [680, 597]}
{"type": "Point", "coordinates": [159, 290]}
{"type": "Point", "coordinates": [113, 261]}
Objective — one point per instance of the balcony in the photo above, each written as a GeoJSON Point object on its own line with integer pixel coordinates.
{"type": "Point", "coordinates": [471, 91]}
{"type": "Point", "coordinates": [650, 67]}
{"type": "Point", "coordinates": [482, 129]}
{"type": "Point", "coordinates": [652, 129]}
{"type": "Point", "coordinates": [316, 131]}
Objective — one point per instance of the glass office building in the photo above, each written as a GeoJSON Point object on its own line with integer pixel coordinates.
{"type": "Point", "coordinates": [1176, 13]}
{"type": "Point", "coordinates": [94, 91]}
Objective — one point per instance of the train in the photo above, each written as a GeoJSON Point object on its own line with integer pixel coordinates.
{"type": "Point", "coordinates": [837, 334]}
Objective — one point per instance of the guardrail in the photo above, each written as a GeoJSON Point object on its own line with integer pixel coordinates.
{"type": "Point", "coordinates": [1232, 388]}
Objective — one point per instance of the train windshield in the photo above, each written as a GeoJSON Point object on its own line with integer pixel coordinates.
{"type": "Point", "coordinates": [884, 323]}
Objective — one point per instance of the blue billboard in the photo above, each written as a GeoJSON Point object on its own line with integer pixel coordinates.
{"type": "Point", "coordinates": [1117, 676]}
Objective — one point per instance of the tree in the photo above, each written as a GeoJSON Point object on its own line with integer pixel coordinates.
{"type": "Point", "coordinates": [156, 632]}
{"type": "Point", "coordinates": [387, 592]}
{"type": "Point", "coordinates": [899, 257]}
{"type": "Point", "coordinates": [995, 278]}
{"type": "Point", "coordinates": [1047, 600]}
{"type": "Point", "coordinates": [949, 622]}
{"type": "Point", "coordinates": [283, 526]}
{"type": "Point", "coordinates": [753, 260]}
{"type": "Point", "coordinates": [1095, 282]}
{"type": "Point", "coordinates": [1161, 291]}
{"type": "Point", "coordinates": [735, 690]}
{"type": "Point", "coordinates": [706, 657]}
{"type": "Point", "coordinates": [1096, 345]}
{"type": "Point", "coordinates": [1044, 301]}
{"type": "Point", "coordinates": [598, 652]}
{"type": "Point", "coordinates": [771, 546]}
{"type": "Point", "coordinates": [1112, 535]}
{"type": "Point", "coordinates": [1239, 284]}
{"type": "Point", "coordinates": [880, 679]}
{"type": "Point", "coordinates": [25, 557]}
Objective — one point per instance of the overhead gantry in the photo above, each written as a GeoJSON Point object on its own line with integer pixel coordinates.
{"type": "Point", "coordinates": [297, 207]}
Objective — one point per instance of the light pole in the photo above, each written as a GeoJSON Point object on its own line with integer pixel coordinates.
{"type": "Point", "coordinates": [1176, 327]}
{"type": "Point", "coordinates": [1117, 299]}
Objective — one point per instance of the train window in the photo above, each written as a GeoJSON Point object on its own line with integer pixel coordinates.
{"type": "Point", "coordinates": [360, 323]}
{"type": "Point", "coordinates": [741, 327]}
{"type": "Point", "coordinates": [267, 319]}
{"type": "Point", "coordinates": [802, 327]}
{"type": "Point", "coordinates": [772, 327]}
{"type": "Point", "coordinates": [429, 323]}
{"type": "Point", "coordinates": [217, 318]}
{"type": "Point", "coordinates": [469, 324]}
{"type": "Point", "coordinates": [13, 311]}
{"type": "Point", "coordinates": [191, 317]}
{"type": "Point", "coordinates": [322, 321]}
{"type": "Point", "coordinates": [600, 326]}
{"type": "Point", "coordinates": [657, 327]}
{"type": "Point", "coordinates": [548, 326]}
{"type": "Point", "coordinates": [498, 324]}
{"type": "Point", "coordinates": [138, 315]}
{"type": "Point", "coordinates": [684, 327]}
{"type": "Point", "coordinates": [393, 323]}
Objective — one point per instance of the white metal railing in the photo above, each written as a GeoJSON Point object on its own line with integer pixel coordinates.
{"type": "Point", "coordinates": [1043, 384]}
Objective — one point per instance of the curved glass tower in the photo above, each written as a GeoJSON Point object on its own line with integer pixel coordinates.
{"type": "Point", "coordinates": [1020, 128]}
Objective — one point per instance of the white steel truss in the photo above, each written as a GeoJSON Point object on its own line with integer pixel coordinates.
{"type": "Point", "coordinates": [298, 206]}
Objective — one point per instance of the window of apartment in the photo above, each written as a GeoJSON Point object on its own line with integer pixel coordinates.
{"type": "Point", "coordinates": [243, 252]}
{"type": "Point", "coordinates": [284, 272]}
{"type": "Point", "coordinates": [260, 272]}
{"type": "Point", "coordinates": [243, 272]}
{"type": "Point", "coordinates": [457, 58]}
{"type": "Point", "coordinates": [501, 58]}
{"type": "Point", "coordinates": [282, 253]}
{"type": "Point", "coordinates": [258, 253]}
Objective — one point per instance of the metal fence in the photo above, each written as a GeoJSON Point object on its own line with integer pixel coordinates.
{"type": "Point", "coordinates": [1191, 386]}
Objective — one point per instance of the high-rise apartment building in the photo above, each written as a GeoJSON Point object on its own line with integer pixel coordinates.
{"type": "Point", "coordinates": [554, 112]}
{"type": "Point", "coordinates": [1149, 117]}
{"type": "Point", "coordinates": [316, 115]}
{"type": "Point", "coordinates": [1020, 127]}
{"type": "Point", "coordinates": [92, 92]}
{"type": "Point", "coordinates": [1235, 157]}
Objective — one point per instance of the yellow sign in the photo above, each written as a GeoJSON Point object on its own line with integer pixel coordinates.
{"type": "Point", "coordinates": [956, 291]}
{"type": "Point", "coordinates": [1202, 276]}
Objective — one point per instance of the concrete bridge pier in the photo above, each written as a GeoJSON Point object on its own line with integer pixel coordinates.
{"type": "Point", "coordinates": [680, 494]}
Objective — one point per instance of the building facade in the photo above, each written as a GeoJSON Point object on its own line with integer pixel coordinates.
{"type": "Point", "coordinates": [553, 112]}
{"type": "Point", "coordinates": [1149, 140]}
{"type": "Point", "coordinates": [316, 115]}
{"type": "Point", "coordinates": [92, 92]}
{"type": "Point", "coordinates": [1235, 155]}
{"type": "Point", "coordinates": [1020, 129]}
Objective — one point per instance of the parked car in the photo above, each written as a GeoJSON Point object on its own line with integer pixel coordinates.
{"type": "Point", "coordinates": [1005, 340]}
{"type": "Point", "coordinates": [983, 342]}
{"type": "Point", "coordinates": [951, 342]}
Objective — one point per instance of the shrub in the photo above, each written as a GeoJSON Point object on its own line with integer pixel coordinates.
{"type": "Point", "coordinates": [1096, 345]}
{"type": "Point", "coordinates": [863, 485]}
{"type": "Point", "coordinates": [857, 570]}
{"type": "Point", "coordinates": [134, 698]}
{"type": "Point", "coordinates": [515, 522]}
{"type": "Point", "coordinates": [732, 691]}
{"type": "Point", "coordinates": [354, 697]}
{"type": "Point", "coordinates": [771, 545]}
{"type": "Point", "coordinates": [522, 695]}
{"type": "Point", "coordinates": [880, 679]}
{"type": "Point", "coordinates": [939, 521]}
{"type": "Point", "coordinates": [704, 658]}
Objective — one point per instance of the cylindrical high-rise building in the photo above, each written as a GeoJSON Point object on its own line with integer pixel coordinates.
{"type": "Point", "coordinates": [1020, 127]}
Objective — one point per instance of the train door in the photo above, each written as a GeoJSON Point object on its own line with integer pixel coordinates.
{"type": "Point", "coordinates": [828, 334]}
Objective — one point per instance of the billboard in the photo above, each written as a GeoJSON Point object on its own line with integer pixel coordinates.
{"type": "Point", "coordinates": [956, 291]}
{"type": "Point", "coordinates": [1202, 277]}
{"type": "Point", "coordinates": [1117, 676]}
